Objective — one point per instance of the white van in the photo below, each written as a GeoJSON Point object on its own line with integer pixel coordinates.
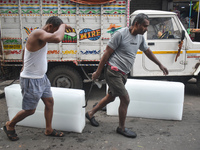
{"type": "Point", "coordinates": [164, 34]}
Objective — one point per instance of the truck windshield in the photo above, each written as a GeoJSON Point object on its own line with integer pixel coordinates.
{"type": "Point", "coordinates": [163, 28]}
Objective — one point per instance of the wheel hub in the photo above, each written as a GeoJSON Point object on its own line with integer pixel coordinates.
{"type": "Point", "coordinates": [63, 82]}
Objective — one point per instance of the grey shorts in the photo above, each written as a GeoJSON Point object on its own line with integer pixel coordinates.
{"type": "Point", "coordinates": [33, 90]}
{"type": "Point", "coordinates": [116, 82]}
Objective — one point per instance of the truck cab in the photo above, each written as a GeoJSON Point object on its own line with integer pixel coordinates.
{"type": "Point", "coordinates": [165, 32]}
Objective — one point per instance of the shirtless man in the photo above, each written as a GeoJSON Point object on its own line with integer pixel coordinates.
{"type": "Point", "coordinates": [33, 80]}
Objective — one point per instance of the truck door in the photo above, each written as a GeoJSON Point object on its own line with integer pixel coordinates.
{"type": "Point", "coordinates": [163, 37]}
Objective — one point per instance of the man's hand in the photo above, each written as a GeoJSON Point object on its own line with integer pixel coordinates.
{"type": "Point", "coordinates": [69, 28]}
{"type": "Point", "coordinates": [165, 71]}
{"type": "Point", "coordinates": [95, 76]}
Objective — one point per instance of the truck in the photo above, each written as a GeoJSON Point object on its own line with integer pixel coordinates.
{"type": "Point", "coordinates": [72, 61]}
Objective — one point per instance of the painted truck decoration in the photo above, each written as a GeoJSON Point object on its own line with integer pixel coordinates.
{"type": "Point", "coordinates": [74, 59]}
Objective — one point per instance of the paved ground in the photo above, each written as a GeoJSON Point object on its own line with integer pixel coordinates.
{"type": "Point", "coordinates": [152, 134]}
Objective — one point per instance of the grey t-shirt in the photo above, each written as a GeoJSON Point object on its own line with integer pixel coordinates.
{"type": "Point", "coordinates": [125, 46]}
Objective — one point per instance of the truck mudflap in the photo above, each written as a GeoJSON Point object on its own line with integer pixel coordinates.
{"type": "Point", "coordinates": [196, 73]}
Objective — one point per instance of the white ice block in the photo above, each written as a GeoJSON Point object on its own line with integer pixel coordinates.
{"type": "Point", "coordinates": [152, 99]}
{"type": "Point", "coordinates": [68, 112]}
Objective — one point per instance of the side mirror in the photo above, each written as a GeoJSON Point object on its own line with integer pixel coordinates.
{"type": "Point", "coordinates": [183, 35]}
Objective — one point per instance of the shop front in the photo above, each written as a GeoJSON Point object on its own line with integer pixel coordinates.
{"type": "Point", "coordinates": [188, 12]}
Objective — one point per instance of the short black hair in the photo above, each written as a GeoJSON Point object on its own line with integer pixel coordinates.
{"type": "Point", "coordinates": [140, 18]}
{"type": "Point", "coordinates": [54, 20]}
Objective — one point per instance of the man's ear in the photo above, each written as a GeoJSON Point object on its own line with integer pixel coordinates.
{"type": "Point", "coordinates": [136, 24]}
{"type": "Point", "coordinates": [49, 27]}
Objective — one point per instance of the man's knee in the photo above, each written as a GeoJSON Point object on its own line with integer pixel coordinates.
{"type": "Point", "coordinates": [29, 112]}
{"type": "Point", "coordinates": [124, 100]}
{"type": "Point", "coordinates": [110, 98]}
{"type": "Point", "coordinates": [49, 102]}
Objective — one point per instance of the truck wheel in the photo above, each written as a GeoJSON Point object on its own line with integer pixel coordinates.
{"type": "Point", "coordinates": [65, 76]}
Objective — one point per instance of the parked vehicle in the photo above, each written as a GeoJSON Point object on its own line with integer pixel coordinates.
{"type": "Point", "coordinates": [78, 54]}
{"type": "Point", "coordinates": [72, 61]}
{"type": "Point", "coordinates": [169, 41]}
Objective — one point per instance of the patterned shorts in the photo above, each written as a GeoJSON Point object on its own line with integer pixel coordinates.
{"type": "Point", "coordinates": [34, 89]}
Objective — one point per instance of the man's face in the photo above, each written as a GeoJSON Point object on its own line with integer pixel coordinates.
{"type": "Point", "coordinates": [142, 28]}
{"type": "Point", "coordinates": [52, 29]}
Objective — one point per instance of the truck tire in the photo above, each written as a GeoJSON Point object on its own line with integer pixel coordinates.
{"type": "Point", "coordinates": [65, 76]}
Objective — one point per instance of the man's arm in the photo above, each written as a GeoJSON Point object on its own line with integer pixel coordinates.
{"type": "Point", "coordinates": [104, 59]}
{"type": "Point", "coordinates": [55, 37]}
{"type": "Point", "coordinates": [23, 59]}
{"type": "Point", "coordinates": [153, 58]}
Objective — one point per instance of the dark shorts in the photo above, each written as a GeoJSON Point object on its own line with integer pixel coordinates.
{"type": "Point", "coordinates": [33, 90]}
{"type": "Point", "coordinates": [116, 82]}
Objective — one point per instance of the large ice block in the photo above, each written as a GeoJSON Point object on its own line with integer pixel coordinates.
{"type": "Point", "coordinates": [152, 99]}
{"type": "Point", "coordinates": [68, 112]}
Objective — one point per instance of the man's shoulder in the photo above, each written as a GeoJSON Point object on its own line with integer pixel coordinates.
{"type": "Point", "coordinates": [121, 32]}
{"type": "Point", "coordinates": [34, 42]}
{"type": "Point", "coordinates": [36, 34]}
{"type": "Point", "coordinates": [37, 31]}
{"type": "Point", "coordinates": [124, 29]}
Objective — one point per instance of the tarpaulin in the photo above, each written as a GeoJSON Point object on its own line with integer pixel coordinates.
{"type": "Point", "coordinates": [92, 1]}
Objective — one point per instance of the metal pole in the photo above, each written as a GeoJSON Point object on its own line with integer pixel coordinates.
{"type": "Point", "coordinates": [198, 16]}
{"type": "Point", "coordinates": [190, 13]}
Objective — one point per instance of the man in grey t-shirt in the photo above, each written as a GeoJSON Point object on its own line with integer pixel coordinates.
{"type": "Point", "coordinates": [119, 57]}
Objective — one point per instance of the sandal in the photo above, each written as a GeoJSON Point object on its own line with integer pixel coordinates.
{"type": "Point", "coordinates": [11, 134]}
{"type": "Point", "coordinates": [55, 134]}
